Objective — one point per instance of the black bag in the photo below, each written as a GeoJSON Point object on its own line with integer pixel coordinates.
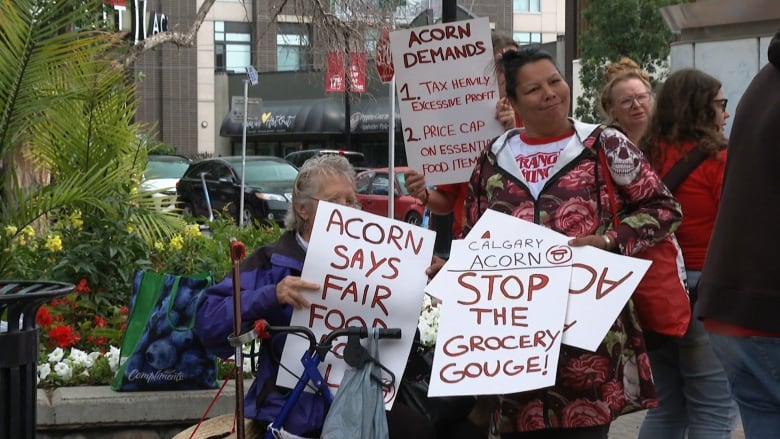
{"type": "Point", "coordinates": [413, 392]}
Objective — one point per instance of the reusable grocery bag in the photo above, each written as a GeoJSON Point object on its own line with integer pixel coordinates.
{"type": "Point", "coordinates": [358, 410]}
{"type": "Point", "coordinates": [159, 349]}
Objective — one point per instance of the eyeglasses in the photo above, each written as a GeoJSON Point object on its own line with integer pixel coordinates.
{"type": "Point", "coordinates": [641, 99]}
{"type": "Point", "coordinates": [349, 202]}
{"type": "Point", "coordinates": [722, 102]}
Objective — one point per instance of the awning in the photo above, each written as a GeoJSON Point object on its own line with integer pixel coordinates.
{"type": "Point", "coordinates": [313, 116]}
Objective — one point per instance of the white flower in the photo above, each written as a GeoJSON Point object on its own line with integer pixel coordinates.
{"type": "Point", "coordinates": [56, 355]}
{"type": "Point", "coordinates": [43, 371]}
{"type": "Point", "coordinates": [63, 370]}
{"type": "Point", "coordinates": [113, 358]}
{"type": "Point", "coordinates": [429, 322]}
{"type": "Point", "coordinates": [80, 358]}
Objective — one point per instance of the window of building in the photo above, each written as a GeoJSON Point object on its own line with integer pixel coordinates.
{"type": "Point", "coordinates": [232, 46]}
{"type": "Point", "coordinates": [290, 52]}
{"type": "Point", "coordinates": [524, 38]}
{"type": "Point", "coordinates": [526, 6]}
{"type": "Point", "coordinates": [292, 47]}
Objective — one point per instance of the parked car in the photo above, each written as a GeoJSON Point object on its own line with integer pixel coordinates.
{"type": "Point", "coordinates": [160, 176]}
{"type": "Point", "coordinates": [267, 191]}
{"type": "Point", "coordinates": [372, 189]}
{"type": "Point", "coordinates": [357, 159]}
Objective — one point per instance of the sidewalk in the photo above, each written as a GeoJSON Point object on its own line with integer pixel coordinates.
{"type": "Point", "coordinates": [627, 427]}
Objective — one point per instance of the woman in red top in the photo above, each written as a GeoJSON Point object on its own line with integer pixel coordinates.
{"type": "Point", "coordinates": [690, 381]}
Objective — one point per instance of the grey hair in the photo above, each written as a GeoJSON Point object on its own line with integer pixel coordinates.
{"type": "Point", "coordinates": [307, 183]}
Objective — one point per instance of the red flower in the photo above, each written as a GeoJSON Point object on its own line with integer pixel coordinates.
{"type": "Point", "coordinates": [82, 287]}
{"type": "Point", "coordinates": [43, 318]}
{"type": "Point", "coordinates": [58, 301]}
{"type": "Point", "coordinates": [584, 413]}
{"type": "Point", "coordinates": [64, 336]}
{"type": "Point", "coordinates": [100, 322]}
{"type": "Point", "coordinates": [123, 310]}
{"type": "Point", "coordinates": [585, 372]}
{"type": "Point", "coordinates": [612, 393]}
{"type": "Point", "coordinates": [531, 417]}
{"type": "Point", "coordinates": [576, 217]}
{"type": "Point", "coordinates": [643, 364]}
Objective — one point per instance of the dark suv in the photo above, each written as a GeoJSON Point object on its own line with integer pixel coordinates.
{"type": "Point", "coordinates": [267, 191]}
{"type": "Point", "coordinates": [357, 159]}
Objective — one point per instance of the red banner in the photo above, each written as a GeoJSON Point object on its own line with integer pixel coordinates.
{"type": "Point", "coordinates": [334, 75]}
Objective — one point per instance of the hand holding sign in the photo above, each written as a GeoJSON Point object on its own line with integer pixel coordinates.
{"type": "Point", "coordinates": [356, 259]}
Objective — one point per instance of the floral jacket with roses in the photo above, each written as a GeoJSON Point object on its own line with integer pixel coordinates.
{"type": "Point", "coordinates": [591, 388]}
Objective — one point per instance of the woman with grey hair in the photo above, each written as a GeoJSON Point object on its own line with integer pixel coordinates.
{"type": "Point", "coordinates": [271, 287]}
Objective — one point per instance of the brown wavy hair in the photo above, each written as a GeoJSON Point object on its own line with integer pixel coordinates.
{"type": "Point", "coordinates": [622, 70]}
{"type": "Point", "coordinates": [684, 112]}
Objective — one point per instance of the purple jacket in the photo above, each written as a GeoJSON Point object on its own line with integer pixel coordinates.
{"type": "Point", "coordinates": [260, 273]}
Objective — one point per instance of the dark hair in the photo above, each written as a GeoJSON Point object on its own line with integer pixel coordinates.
{"type": "Point", "coordinates": [684, 112]}
{"type": "Point", "coordinates": [501, 44]}
{"type": "Point", "coordinates": [514, 60]}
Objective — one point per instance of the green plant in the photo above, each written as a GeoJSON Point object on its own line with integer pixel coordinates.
{"type": "Point", "coordinates": [194, 251]}
{"type": "Point", "coordinates": [638, 32]}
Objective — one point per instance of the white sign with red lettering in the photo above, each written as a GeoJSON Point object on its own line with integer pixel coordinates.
{"type": "Point", "coordinates": [371, 272]}
{"type": "Point", "coordinates": [447, 96]}
{"type": "Point", "coordinates": [501, 325]}
{"type": "Point", "coordinates": [599, 287]}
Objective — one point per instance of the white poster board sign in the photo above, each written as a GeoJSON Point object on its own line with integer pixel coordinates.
{"type": "Point", "coordinates": [501, 325]}
{"type": "Point", "coordinates": [371, 272]}
{"type": "Point", "coordinates": [447, 96]}
{"type": "Point", "coordinates": [600, 283]}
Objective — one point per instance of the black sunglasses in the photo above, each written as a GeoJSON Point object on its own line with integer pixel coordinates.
{"type": "Point", "coordinates": [722, 102]}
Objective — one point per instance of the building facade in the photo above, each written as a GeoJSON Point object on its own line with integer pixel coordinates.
{"type": "Point", "coordinates": [185, 93]}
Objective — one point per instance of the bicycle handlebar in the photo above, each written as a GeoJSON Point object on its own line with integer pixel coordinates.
{"type": "Point", "coordinates": [264, 331]}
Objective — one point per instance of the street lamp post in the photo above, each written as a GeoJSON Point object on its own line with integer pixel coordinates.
{"type": "Point", "coordinates": [252, 78]}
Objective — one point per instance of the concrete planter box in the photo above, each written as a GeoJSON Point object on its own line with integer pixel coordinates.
{"type": "Point", "coordinates": [97, 412]}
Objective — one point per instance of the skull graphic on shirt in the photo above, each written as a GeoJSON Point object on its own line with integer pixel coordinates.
{"type": "Point", "coordinates": [623, 161]}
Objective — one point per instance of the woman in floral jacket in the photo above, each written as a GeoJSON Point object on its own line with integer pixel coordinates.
{"type": "Point", "coordinates": [545, 173]}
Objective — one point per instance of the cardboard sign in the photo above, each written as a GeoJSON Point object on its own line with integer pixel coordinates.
{"type": "Point", "coordinates": [501, 324]}
{"type": "Point", "coordinates": [371, 272]}
{"type": "Point", "coordinates": [447, 96]}
{"type": "Point", "coordinates": [600, 284]}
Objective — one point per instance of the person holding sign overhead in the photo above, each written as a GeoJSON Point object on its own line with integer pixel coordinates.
{"type": "Point", "coordinates": [449, 198]}
{"type": "Point", "coordinates": [271, 287]}
{"type": "Point", "coordinates": [549, 173]}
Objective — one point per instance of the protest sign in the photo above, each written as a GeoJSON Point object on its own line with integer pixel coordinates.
{"type": "Point", "coordinates": [447, 96]}
{"type": "Point", "coordinates": [501, 324]}
{"type": "Point", "coordinates": [601, 282]}
{"type": "Point", "coordinates": [357, 258]}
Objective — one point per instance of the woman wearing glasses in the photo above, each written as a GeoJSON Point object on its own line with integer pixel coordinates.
{"type": "Point", "coordinates": [548, 173]}
{"type": "Point", "coordinates": [627, 98]}
{"type": "Point", "coordinates": [271, 287]}
{"type": "Point", "coordinates": [693, 392]}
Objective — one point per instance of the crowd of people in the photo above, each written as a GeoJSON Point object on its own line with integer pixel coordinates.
{"type": "Point", "coordinates": [721, 214]}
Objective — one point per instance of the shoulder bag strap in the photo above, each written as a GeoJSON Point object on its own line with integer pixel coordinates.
{"type": "Point", "coordinates": [680, 171]}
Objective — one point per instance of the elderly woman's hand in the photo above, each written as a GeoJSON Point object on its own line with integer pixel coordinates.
{"type": "Point", "coordinates": [291, 291]}
{"type": "Point", "coordinates": [436, 264]}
